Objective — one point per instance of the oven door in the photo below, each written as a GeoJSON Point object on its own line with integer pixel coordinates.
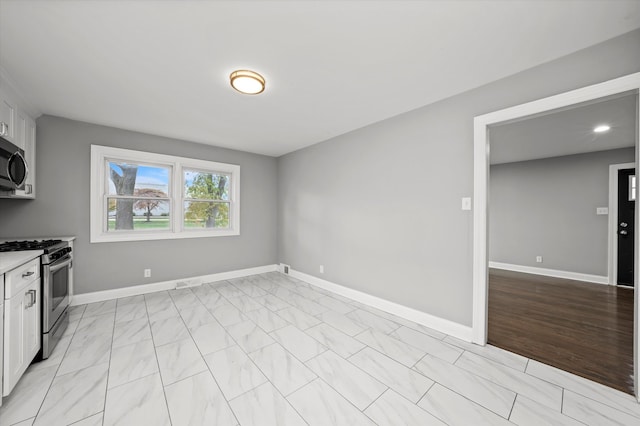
{"type": "Point", "coordinates": [55, 291]}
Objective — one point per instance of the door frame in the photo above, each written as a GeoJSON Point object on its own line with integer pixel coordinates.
{"type": "Point", "coordinates": [613, 220]}
{"type": "Point", "coordinates": [628, 84]}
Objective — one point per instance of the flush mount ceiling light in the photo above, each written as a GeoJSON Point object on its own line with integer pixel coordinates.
{"type": "Point", "coordinates": [602, 128]}
{"type": "Point", "coordinates": [247, 82]}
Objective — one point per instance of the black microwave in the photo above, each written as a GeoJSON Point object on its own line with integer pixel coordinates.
{"type": "Point", "coordinates": [13, 167]}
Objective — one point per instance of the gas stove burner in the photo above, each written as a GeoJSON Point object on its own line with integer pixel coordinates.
{"type": "Point", "coordinates": [28, 245]}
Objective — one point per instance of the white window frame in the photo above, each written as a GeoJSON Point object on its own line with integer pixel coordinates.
{"type": "Point", "coordinates": [98, 211]}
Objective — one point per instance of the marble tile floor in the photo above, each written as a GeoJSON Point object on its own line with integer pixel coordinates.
{"type": "Point", "coordinates": [272, 350]}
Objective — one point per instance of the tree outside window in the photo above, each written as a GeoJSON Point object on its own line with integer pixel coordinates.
{"type": "Point", "coordinates": [206, 199]}
{"type": "Point", "coordinates": [136, 192]}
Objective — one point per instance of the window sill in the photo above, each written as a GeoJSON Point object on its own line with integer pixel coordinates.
{"type": "Point", "coordinates": [146, 236]}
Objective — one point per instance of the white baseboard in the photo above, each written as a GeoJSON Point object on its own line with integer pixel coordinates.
{"type": "Point", "coordinates": [451, 328]}
{"type": "Point", "coordinates": [598, 279]}
{"type": "Point", "coordinates": [100, 296]}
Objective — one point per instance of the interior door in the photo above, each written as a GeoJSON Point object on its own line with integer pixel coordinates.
{"type": "Point", "coordinates": [626, 219]}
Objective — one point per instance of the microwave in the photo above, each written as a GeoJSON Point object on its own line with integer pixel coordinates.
{"type": "Point", "coordinates": [13, 167]}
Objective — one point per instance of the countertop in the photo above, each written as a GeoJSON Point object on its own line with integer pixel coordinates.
{"type": "Point", "coordinates": [12, 259]}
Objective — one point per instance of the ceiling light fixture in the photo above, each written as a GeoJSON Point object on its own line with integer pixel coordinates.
{"type": "Point", "coordinates": [247, 82]}
{"type": "Point", "coordinates": [602, 128]}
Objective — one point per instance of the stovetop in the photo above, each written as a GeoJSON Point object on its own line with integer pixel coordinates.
{"type": "Point", "coordinates": [46, 245]}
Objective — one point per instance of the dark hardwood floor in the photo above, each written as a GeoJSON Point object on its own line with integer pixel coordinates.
{"type": "Point", "coordinates": [583, 328]}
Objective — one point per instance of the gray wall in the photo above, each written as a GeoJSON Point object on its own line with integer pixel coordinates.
{"type": "Point", "coordinates": [380, 207]}
{"type": "Point", "coordinates": [548, 208]}
{"type": "Point", "coordinates": [62, 208]}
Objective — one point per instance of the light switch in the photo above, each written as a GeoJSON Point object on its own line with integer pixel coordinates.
{"type": "Point", "coordinates": [466, 203]}
{"type": "Point", "coordinates": [602, 210]}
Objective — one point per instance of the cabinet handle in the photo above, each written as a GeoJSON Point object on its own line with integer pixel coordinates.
{"type": "Point", "coordinates": [4, 129]}
{"type": "Point", "coordinates": [32, 298]}
{"type": "Point", "coordinates": [27, 274]}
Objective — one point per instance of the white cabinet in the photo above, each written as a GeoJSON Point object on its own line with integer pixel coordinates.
{"type": "Point", "coordinates": [27, 134]}
{"type": "Point", "coordinates": [20, 129]}
{"type": "Point", "coordinates": [21, 322]}
{"type": "Point", "coordinates": [1, 332]}
{"type": "Point", "coordinates": [32, 334]}
{"type": "Point", "coordinates": [8, 113]}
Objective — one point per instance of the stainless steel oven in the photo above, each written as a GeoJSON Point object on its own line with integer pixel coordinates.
{"type": "Point", "coordinates": [56, 276]}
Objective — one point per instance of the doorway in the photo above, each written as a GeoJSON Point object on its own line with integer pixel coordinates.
{"type": "Point", "coordinates": [549, 190]}
{"type": "Point", "coordinates": [622, 194]}
{"type": "Point", "coordinates": [625, 85]}
{"type": "Point", "coordinates": [626, 213]}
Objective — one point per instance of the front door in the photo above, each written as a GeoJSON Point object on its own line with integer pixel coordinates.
{"type": "Point", "coordinates": [626, 220]}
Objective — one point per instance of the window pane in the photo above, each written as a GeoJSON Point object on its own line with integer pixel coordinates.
{"type": "Point", "coordinates": [206, 185]}
{"type": "Point", "coordinates": [136, 179]}
{"type": "Point", "coordinates": [137, 214]}
{"type": "Point", "coordinates": [206, 214]}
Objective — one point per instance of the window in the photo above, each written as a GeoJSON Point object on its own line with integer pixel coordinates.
{"type": "Point", "coordinates": [145, 196]}
{"type": "Point", "coordinates": [138, 196]}
{"type": "Point", "coordinates": [206, 199]}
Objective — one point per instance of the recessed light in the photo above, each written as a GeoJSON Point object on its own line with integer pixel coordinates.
{"type": "Point", "coordinates": [247, 82]}
{"type": "Point", "coordinates": [602, 128]}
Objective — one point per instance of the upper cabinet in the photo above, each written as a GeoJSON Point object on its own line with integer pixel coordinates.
{"type": "Point", "coordinates": [8, 114]}
{"type": "Point", "coordinates": [18, 126]}
{"type": "Point", "coordinates": [26, 139]}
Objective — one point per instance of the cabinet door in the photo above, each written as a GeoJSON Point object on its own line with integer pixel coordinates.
{"type": "Point", "coordinates": [22, 334]}
{"type": "Point", "coordinates": [30, 152]}
{"type": "Point", "coordinates": [14, 347]}
{"type": "Point", "coordinates": [8, 117]}
{"type": "Point", "coordinates": [1, 333]}
{"type": "Point", "coordinates": [20, 133]}
{"type": "Point", "coordinates": [28, 126]}
{"type": "Point", "coordinates": [32, 335]}
{"type": "Point", "coordinates": [1, 341]}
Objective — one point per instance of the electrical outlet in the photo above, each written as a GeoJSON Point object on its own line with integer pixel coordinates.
{"type": "Point", "coordinates": [466, 203]}
{"type": "Point", "coordinates": [147, 273]}
{"type": "Point", "coordinates": [322, 269]}
{"type": "Point", "coordinates": [538, 259]}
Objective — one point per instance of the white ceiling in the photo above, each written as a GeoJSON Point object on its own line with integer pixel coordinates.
{"type": "Point", "coordinates": [162, 67]}
{"type": "Point", "coordinates": [566, 132]}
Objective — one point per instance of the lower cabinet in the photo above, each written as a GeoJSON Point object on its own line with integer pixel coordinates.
{"type": "Point", "coordinates": [21, 333]}
{"type": "Point", "coordinates": [1, 334]}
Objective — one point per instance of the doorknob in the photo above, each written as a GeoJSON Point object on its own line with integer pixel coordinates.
{"type": "Point", "coordinates": [623, 224]}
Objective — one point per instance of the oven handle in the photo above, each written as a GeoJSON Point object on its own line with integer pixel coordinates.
{"type": "Point", "coordinates": [57, 266]}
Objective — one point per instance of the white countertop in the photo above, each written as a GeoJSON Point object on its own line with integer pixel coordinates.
{"type": "Point", "coordinates": [12, 259]}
